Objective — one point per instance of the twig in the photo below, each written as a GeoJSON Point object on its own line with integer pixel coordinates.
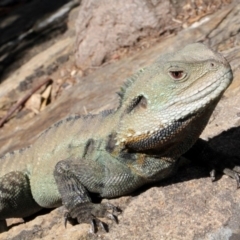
{"type": "Point", "coordinates": [22, 101]}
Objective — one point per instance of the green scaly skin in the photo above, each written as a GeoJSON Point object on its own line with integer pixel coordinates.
{"type": "Point", "coordinates": [163, 110]}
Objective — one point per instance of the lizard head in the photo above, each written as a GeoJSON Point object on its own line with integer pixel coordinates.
{"type": "Point", "coordinates": [176, 89]}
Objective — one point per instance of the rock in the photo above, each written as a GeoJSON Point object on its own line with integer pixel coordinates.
{"type": "Point", "coordinates": [102, 28]}
{"type": "Point", "coordinates": [186, 206]}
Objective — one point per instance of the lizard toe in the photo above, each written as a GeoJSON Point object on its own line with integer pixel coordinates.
{"type": "Point", "coordinates": [110, 207]}
{"type": "Point", "coordinates": [90, 213]}
{"type": "Point", "coordinates": [237, 169]}
{"type": "Point", "coordinates": [213, 175]}
{"type": "Point", "coordinates": [233, 174]}
{"type": "Point", "coordinates": [96, 223]}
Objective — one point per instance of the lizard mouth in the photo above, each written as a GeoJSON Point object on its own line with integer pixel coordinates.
{"type": "Point", "coordinates": [187, 117]}
{"type": "Point", "coordinates": [210, 91]}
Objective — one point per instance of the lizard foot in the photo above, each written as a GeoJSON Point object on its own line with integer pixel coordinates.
{"type": "Point", "coordinates": [90, 212]}
{"type": "Point", "coordinates": [227, 165]}
{"type": "Point", "coordinates": [202, 154]}
{"type": "Point", "coordinates": [233, 172]}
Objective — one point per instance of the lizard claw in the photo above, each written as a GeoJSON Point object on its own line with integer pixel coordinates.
{"type": "Point", "coordinates": [233, 174]}
{"type": "Point", "coordinates": [115, 210]}
{"type": "Point", "coordinates": [213, 175]}
{"type": "Point", "coordinates": [66, 218]}
{"type": "Point", "coordinates": [112, 217]}
{"type": "Point", "coordinates": [95, 222]}
{"type": "Point", "coordinates": [228, 166]}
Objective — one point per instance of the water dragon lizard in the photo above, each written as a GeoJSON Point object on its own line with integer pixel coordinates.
{"type": "Point", "coordinates": [163, 109]}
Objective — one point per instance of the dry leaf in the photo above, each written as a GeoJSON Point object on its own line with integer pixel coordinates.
{"type": "Point", "coordinates": [34, 103]}
{"type": "Point", "coordinates": [46, 96]}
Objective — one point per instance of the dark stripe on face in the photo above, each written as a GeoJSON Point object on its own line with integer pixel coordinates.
{"type": "Point", "coordinates": [89, 147]}
{"type": "Point", "coordinates": [111, 142]}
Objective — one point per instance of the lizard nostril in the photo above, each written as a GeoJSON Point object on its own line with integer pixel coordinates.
{"type": "Point", "coordinates": [213, 65]}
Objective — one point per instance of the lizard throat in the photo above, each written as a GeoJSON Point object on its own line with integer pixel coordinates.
{"type": "Point", "coordinates": [163, 141]}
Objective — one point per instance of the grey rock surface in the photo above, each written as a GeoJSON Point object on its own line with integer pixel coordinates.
{"type": "Point", "coordinates": [187, 206]}
{"type": "Point", "coordinates": [103, 26]}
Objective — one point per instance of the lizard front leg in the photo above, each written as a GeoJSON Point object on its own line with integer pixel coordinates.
{"type": "Point", "coordinates": [70, 176]}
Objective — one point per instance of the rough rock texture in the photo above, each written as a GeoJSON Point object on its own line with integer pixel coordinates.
{"type": "Point", "coordinates": [187, 206]}
{"type": "Point", "coordinates": [103, 27]}
{"type": "Point", "coordinates": [109, 26]}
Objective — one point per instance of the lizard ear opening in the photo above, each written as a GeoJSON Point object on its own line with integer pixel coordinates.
{"type": "Point", "coordinates": [139, 102]}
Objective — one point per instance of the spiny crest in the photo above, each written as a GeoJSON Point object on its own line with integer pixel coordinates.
{"type": "Point", "coordinates": [127, 84]}
{"type": "Point", "coordinates": [11, 153]}
{"type": "Point", "coordinates": [60, 122]}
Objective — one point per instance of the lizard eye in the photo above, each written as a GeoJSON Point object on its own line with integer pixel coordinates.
{"type": "Point", "coordinates": [177, 74]}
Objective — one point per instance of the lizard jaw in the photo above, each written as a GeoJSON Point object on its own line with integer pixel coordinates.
{"type": "Point", "coordinates": [214, 90]}
{"type": "Point", "coordinates": [198, 99]}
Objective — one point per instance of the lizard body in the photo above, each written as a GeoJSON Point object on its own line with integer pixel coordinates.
{"type": "Point", "coordinates": [162, 111]}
